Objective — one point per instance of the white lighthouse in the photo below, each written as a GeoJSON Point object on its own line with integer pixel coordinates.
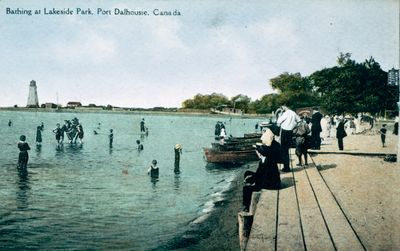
{"type": "Point", "coordinates": [33, 97]}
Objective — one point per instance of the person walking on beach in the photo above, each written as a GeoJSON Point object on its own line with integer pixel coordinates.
{"type": "Point", "coordinates": [58, 132]}
{"type": "Point", "coordinates": [38, 135]}
{"type": "Point", "coordinates": [287, 121]}
{"type": "Point", "coordinates": [301, 132]}
{"type": "Point", "coordinates": [267, 175]}
{"type": "Point", "coordinates": [139, 146]}
{"type": "Point", "coordinates": [340, 132]}
{"type": "Point", "coordinates": [316, 129]}
{"type": "Point", "coordinates": [383, 131]}
{"type": "Point", "coordinates": [142, 128]}
{"type": "Point", "coordinates": [396, 126]}
{"type": "Point", "coordinates": [23, 152]}
{"type": "Point", "coordinates": [111, 137]}
{"type": "Point", "coordinates": [153, 170]}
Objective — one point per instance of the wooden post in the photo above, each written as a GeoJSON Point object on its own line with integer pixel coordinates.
{"type": "Point", "coordinates": [245, 220]}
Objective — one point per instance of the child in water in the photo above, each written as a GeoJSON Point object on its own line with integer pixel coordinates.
{"type": "Point", "coordinates": [153, 169]}
{"type": "Point", "coordinates": [23, 152]}
{"type": "Point", "coordinates": [139, 146]}
{"type": "Point", "coordinates": [39, 135]}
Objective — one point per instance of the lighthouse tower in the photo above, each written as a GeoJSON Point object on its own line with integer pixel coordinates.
{"type": "Point", "coordinates": [33, 97]}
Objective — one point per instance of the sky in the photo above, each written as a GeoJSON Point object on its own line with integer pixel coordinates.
{"type": "Point", "coordinates": [227, 47]}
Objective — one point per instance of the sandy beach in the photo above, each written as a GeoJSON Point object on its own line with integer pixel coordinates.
{"type": "Point", "coordinates": [365, 186]}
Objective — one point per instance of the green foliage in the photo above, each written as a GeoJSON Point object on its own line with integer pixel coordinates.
{"type": "Point", "coordinates": [206, 101]}
{"type": "Point", "coordinates": [294, 90]}
{"type": "Point", "coordinates": [241, 101]}
{"type": "Point", "coordinates": [266, 104]}
{"type": "Point", "coordinates": [351, 87]}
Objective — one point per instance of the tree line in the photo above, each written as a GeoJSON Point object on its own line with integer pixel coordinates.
{"type": "Point", "coordinates": [348, 87]}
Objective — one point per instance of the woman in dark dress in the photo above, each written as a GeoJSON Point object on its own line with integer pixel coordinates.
{"type": "Point", "coordinates": [267, 175]}
{"type": "Point", "coordinates": [23, 153]}
{"type": "Point", "coordinates": [340, 132]}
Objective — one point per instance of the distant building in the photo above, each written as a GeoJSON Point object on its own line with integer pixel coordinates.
{"type": "Point", "coordinates": [50, 105]}
{"type": "Point", "coordinates": [393, 77]}
{"type": "Point", "coordinates": [73, 104]}
{"type": "Point", "coordinates": [33, 101]}
{"type": "Point", "coordinates": [392, 92]}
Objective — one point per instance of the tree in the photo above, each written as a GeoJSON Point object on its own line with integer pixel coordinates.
{"type": "Point", "coordinates": [351, 87]}
{"type": "Point", "coordinates": [206, 101]}
{"type": "Point", "coordinates": [241, 101]}
{"type": "Point", "coordinates": [294, 90]}
{"type": "Point", "coordinates": [267, 104]}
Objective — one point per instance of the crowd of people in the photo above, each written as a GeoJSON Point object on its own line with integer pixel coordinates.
{"type": "Point", "coordinates": [303, 133]}
{"type": "Point", "coordinates": [73, 129]}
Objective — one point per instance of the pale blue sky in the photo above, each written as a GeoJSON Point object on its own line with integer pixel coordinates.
{"type": "Point", "coordinates": [229, 47]}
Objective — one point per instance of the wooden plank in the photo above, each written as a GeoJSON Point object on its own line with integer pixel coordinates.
{"type": "Point", "coordinates": [263, 231]}
{"type": "Point", "coordinates": [342, 234]}
{"type": "Point", "coordinates": [289, 236]}
{"type": "Point", "coordinates": [316, 235]}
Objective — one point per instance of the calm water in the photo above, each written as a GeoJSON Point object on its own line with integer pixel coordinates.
{"type": "Point", "coordinates": [77, 196]}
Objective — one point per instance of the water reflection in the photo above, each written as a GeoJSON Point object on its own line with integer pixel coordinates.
{"type": "Point", "coordinates": [38, 150]}
{"type": "Point", "coordinates": [177, 168]}
{"type": "Point", "coordinates": [23, 187]}
{"type": "Point", "coordinates": [154, 181]}
{"type": "Point", "coordinates": [177, 181]}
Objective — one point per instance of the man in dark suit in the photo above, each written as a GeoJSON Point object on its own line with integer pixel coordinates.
{"type": "Point", "coordinates": [316, 129]}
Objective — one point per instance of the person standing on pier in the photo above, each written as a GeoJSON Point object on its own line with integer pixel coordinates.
{"type": "Point", "coordinates": [301, 132]}
{"type": "Point", "coordinates": [23, 152]}
{"type": "Point", "coordinates": [340, 132]}
{"type": "Point", "coordinates": [316, 129]}
{"type": "Point", "coordinates": [287, 121]}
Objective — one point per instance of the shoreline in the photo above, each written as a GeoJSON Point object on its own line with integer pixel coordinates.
{"type": "Point", "coordinates": [135, 112]}
{"type": "Point", "coordinates": [219, 231]}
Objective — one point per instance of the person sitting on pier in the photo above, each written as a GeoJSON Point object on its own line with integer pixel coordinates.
{"type": "Point", "coordinates": [267, 175]}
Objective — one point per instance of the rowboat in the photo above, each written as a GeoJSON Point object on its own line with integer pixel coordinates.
{"type": "Point", "coordinates": [213, 155]}
{"type": "Point", "coordinates": [233, 150]}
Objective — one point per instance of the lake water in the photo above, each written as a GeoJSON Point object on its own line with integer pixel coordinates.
{"type": "Point", "coordinates": [80, 197]}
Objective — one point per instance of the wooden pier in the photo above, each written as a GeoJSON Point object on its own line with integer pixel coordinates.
{"type": "Point", "coordinates": [303, 215]}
